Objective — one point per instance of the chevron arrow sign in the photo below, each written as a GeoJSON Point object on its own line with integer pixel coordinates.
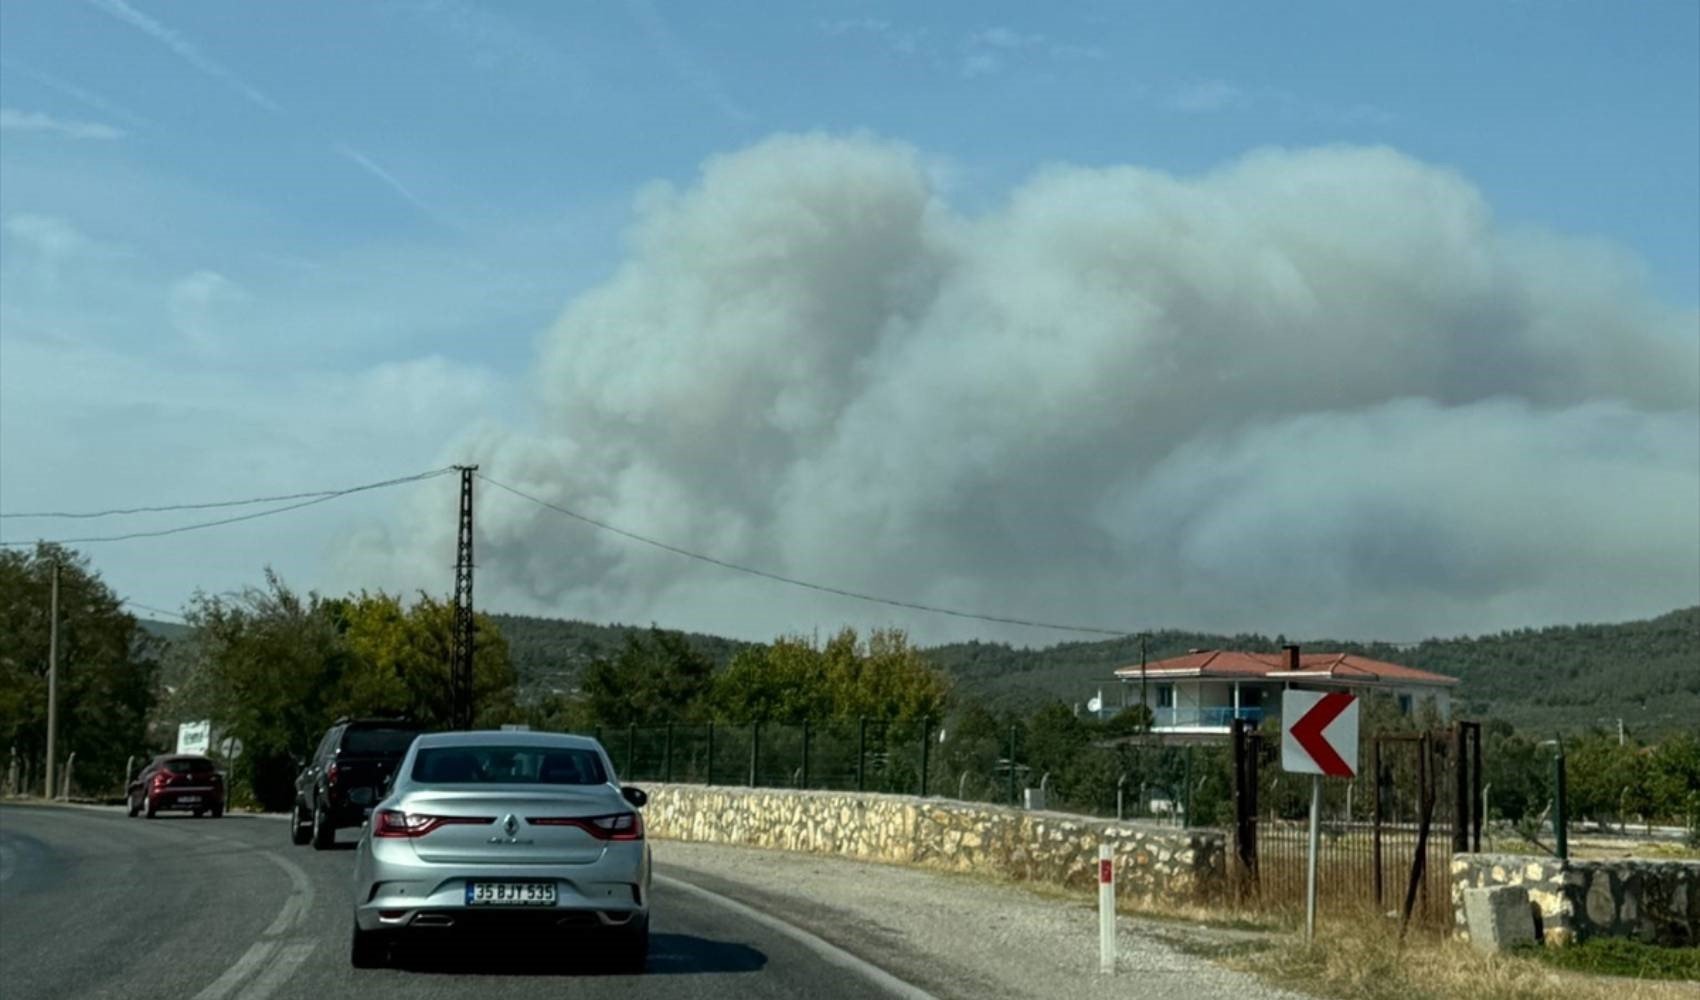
{"type": "Point", "coordinates": [1319, 733]}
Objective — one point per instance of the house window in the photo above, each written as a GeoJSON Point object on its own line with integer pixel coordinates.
{"type": "Point", "coordinates": [1404, 704]}
{"type": "Point", "coordinates": [1165, 696]}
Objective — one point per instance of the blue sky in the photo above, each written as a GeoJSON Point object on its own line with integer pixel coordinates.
{"type": "Point", "coordinates": [256, 247]}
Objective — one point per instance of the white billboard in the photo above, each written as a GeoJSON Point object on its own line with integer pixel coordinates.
{"type": "Point", "coordinates": [194, 737]}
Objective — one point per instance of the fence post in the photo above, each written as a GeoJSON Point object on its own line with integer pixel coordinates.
{"type": "Point", "coordinates": [1478, 793]}
{"type": "Point", "coordinates": [755, 750]}
{"type": "Point", "coordinates": [70, 762]}
{"type": "Point", "coordinates": [1419, 864]}
{"type": "Point", "coordinates": [1120, 782]}
{"type": "Point", "coordinates": [1186, 777]}
{"type": "Point", "coordinates": [926, 740]}
{"type": "Point", "coordinates": [1375, 815]}
{"type": "Point", "coordinates": [1012, 799]}
{"type": "Point", "coordinates": [631, 751]}
{"type": "Point", "coordinates": [710, 761]}
{"type": "Point", "coordinates": [805, 782]}
{"type": "Point", "coordinates": [1461, 804]}
{"type": "Point", "coordinates": [861, 754]}
{"type": "Point", "coordinates": [667, 755]}
{"type": "Point", "coordinates": [1560, 805]}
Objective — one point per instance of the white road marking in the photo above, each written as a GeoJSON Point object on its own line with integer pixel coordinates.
{"type": "Point", "coordinates": [270, 961]}
{"type": "Point", "coordinates": [289, 958]}
{"type": "Point", "coordinates": [826, 950]}
{"type": "Point", "coordinates": [300, 896]}
{"type": "Point", "coordinates": [251, 959]}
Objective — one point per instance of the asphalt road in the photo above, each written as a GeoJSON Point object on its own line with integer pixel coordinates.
{"type": "Point", "coordinates": [93, 904]}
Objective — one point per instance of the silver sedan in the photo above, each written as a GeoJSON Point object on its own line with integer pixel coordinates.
{"type": "Point", "coordinates": [504, 831]}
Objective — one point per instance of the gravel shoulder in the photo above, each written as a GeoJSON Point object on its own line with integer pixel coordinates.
{"type": "Point", "coordinates": [957, 936]}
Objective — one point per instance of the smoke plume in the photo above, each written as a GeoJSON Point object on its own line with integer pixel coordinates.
{"type": "Point", "coordinates": [1313, 391]}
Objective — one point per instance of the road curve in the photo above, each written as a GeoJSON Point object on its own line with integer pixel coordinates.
{"type": "Point", "coordinates": [93, 904]}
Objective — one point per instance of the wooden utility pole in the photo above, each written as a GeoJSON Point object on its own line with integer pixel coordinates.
{"type": "Point", "coordinates": [462, 710]}
{"type": "Point", "coordinates": [1152, 718]}
{"type": "Point", "coordinates": [52, 676]}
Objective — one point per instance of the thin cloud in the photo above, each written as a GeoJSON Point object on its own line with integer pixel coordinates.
{"type": "Point", "coordinates": [94, 101]}
{"type": "Point", "coordinates": [983, 52]}
{"type": "Point", "coordinates": [683, 63]}
{"type": "Point", "coordinates": [185, 49]}
{"type": "Point", "coordinates": [13, 120]}
{"type": "Point", "coordinates": [1209, 97]}
{"type": "Point", "coordinates": [372, 167]}
{"type": "Point", "coordinates": [1206, 97]}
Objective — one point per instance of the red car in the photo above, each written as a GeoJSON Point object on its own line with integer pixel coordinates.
{"type": "Point", "coordinates": [178, 781]}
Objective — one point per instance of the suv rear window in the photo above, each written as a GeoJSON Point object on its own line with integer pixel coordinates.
{"type": "Point", "coordinates": [498, 765]}
{"type": "Point", "coordinates": [378, 740]}
{"type": "Point", "coordinates": [190, 765]}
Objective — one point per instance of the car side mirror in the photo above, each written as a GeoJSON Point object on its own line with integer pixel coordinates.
{"type": "Point", "coordinates": [636, 796]}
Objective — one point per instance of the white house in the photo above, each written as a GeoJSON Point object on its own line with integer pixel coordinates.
{"type": "Point", "coordinates": [1204, 691]}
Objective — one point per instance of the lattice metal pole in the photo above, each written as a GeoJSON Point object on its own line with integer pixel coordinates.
{"type": "Point", "coordinates": [465, 626]}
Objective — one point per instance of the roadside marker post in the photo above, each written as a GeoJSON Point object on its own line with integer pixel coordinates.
{"type": "Point", "coordinates": [1106, 910]}
{"type": "Point", "coordinates": [1319, 736]}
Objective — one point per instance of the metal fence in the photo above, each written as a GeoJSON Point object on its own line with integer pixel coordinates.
{"type": "Point", "coordinates": [866, 755]}
{"type": "Point", "coordinates": [1387, 835]}
{"type": "Point", "coordinates": [1155, 779]}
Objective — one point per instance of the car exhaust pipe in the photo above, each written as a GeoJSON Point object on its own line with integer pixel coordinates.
{"type": "Point", "coordinates": [433, 920]}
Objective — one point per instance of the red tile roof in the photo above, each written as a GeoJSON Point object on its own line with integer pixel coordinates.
{"type": "Point", "coordinates": [1343, 667]}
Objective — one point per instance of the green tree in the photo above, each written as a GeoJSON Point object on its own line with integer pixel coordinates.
{"type": "Point", "coordinates": [400, 660]}
{"type": "Point", "coordinates": [794, 678]}
{"type": "Point", "coordinates": [107, 667]}
{"type": "Point", "coordinates": [658, 677]}
{"type": "Point", "coordinates": [273, 669]}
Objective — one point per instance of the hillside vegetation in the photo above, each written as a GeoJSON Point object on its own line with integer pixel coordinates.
{"type": "Point", "coordinates": [1646, 673]}
{"type": "Point", "coordinates": [1571, 677]}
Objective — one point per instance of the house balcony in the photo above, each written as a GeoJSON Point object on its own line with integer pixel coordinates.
{"type": "Point", "coordinates": [1188, 719]}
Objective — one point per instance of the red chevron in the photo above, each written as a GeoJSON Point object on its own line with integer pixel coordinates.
{"type": "Point", "coordinates": [1308, 732]}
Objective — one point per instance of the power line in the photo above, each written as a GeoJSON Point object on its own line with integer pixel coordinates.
{"type": "Point", "coordinates": [793, 581]}
{"type": "Point", "coordinates": [158, 611]}
{"type": "Point", "coordinates": [317, 499]}
{"type": "Point", "coordinates": [181, 506]}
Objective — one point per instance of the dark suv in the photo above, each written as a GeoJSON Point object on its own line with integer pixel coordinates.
{"type": "Point", "coordinates": [346, 777]}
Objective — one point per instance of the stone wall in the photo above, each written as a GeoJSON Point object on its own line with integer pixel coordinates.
{"type": "Point", "coordinates": [1153, 862]}
{"type": "Point", "coordinates": [1654, 901]}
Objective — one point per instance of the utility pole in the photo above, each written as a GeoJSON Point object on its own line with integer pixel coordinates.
{"type": "Point", "coordinates": [52, 676]}
{"type": "Point", "coordinates": [460, 667]}
{"type": "Point", "coordinates": [1143, 703]}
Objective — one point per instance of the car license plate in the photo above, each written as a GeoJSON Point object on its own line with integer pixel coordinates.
{"type": "Point", "coordinates": [510, 894]}
{"type": "Point", "coordinates": [188, 798]}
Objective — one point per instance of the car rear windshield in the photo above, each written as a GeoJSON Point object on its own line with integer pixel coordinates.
{"type": "Point", "coordinates": [190, 765]}
{"type": "Point", "coordinates": [375, 740]}
{"type": "Point", "coordinates": [498, 765]}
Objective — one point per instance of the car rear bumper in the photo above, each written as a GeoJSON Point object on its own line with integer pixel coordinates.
{"type": "Point", "coordinates": [399, 894]}
{"type": "Point", "coordinates": [187, 798]}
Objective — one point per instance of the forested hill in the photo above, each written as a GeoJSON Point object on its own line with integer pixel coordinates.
{"type": "Point", "coordinates": [548, 654]}
{"type": "Point", "coordinates": [1575, 676]}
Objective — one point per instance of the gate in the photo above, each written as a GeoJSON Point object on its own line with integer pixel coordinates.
{"type": "Point", "coordinates": [1387, 835]}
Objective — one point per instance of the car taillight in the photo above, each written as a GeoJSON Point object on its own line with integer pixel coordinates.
{"type": "Point", "coordinates": [395, 823]}
{"type": "Point", "coordinates": [331, 774]}
{"type": "Point", "coordinates": [617, 826]}
{"type": "Point", "coordinates": [161, 779]}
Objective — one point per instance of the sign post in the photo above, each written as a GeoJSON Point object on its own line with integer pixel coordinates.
{"type": "Point", "coordinates": [1106, 910]}
{"type": "Point", "coordinates": [1319, 736]}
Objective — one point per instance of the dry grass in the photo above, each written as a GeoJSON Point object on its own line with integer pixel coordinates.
{"type": "Point", "coordinates": [1363, 959]}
